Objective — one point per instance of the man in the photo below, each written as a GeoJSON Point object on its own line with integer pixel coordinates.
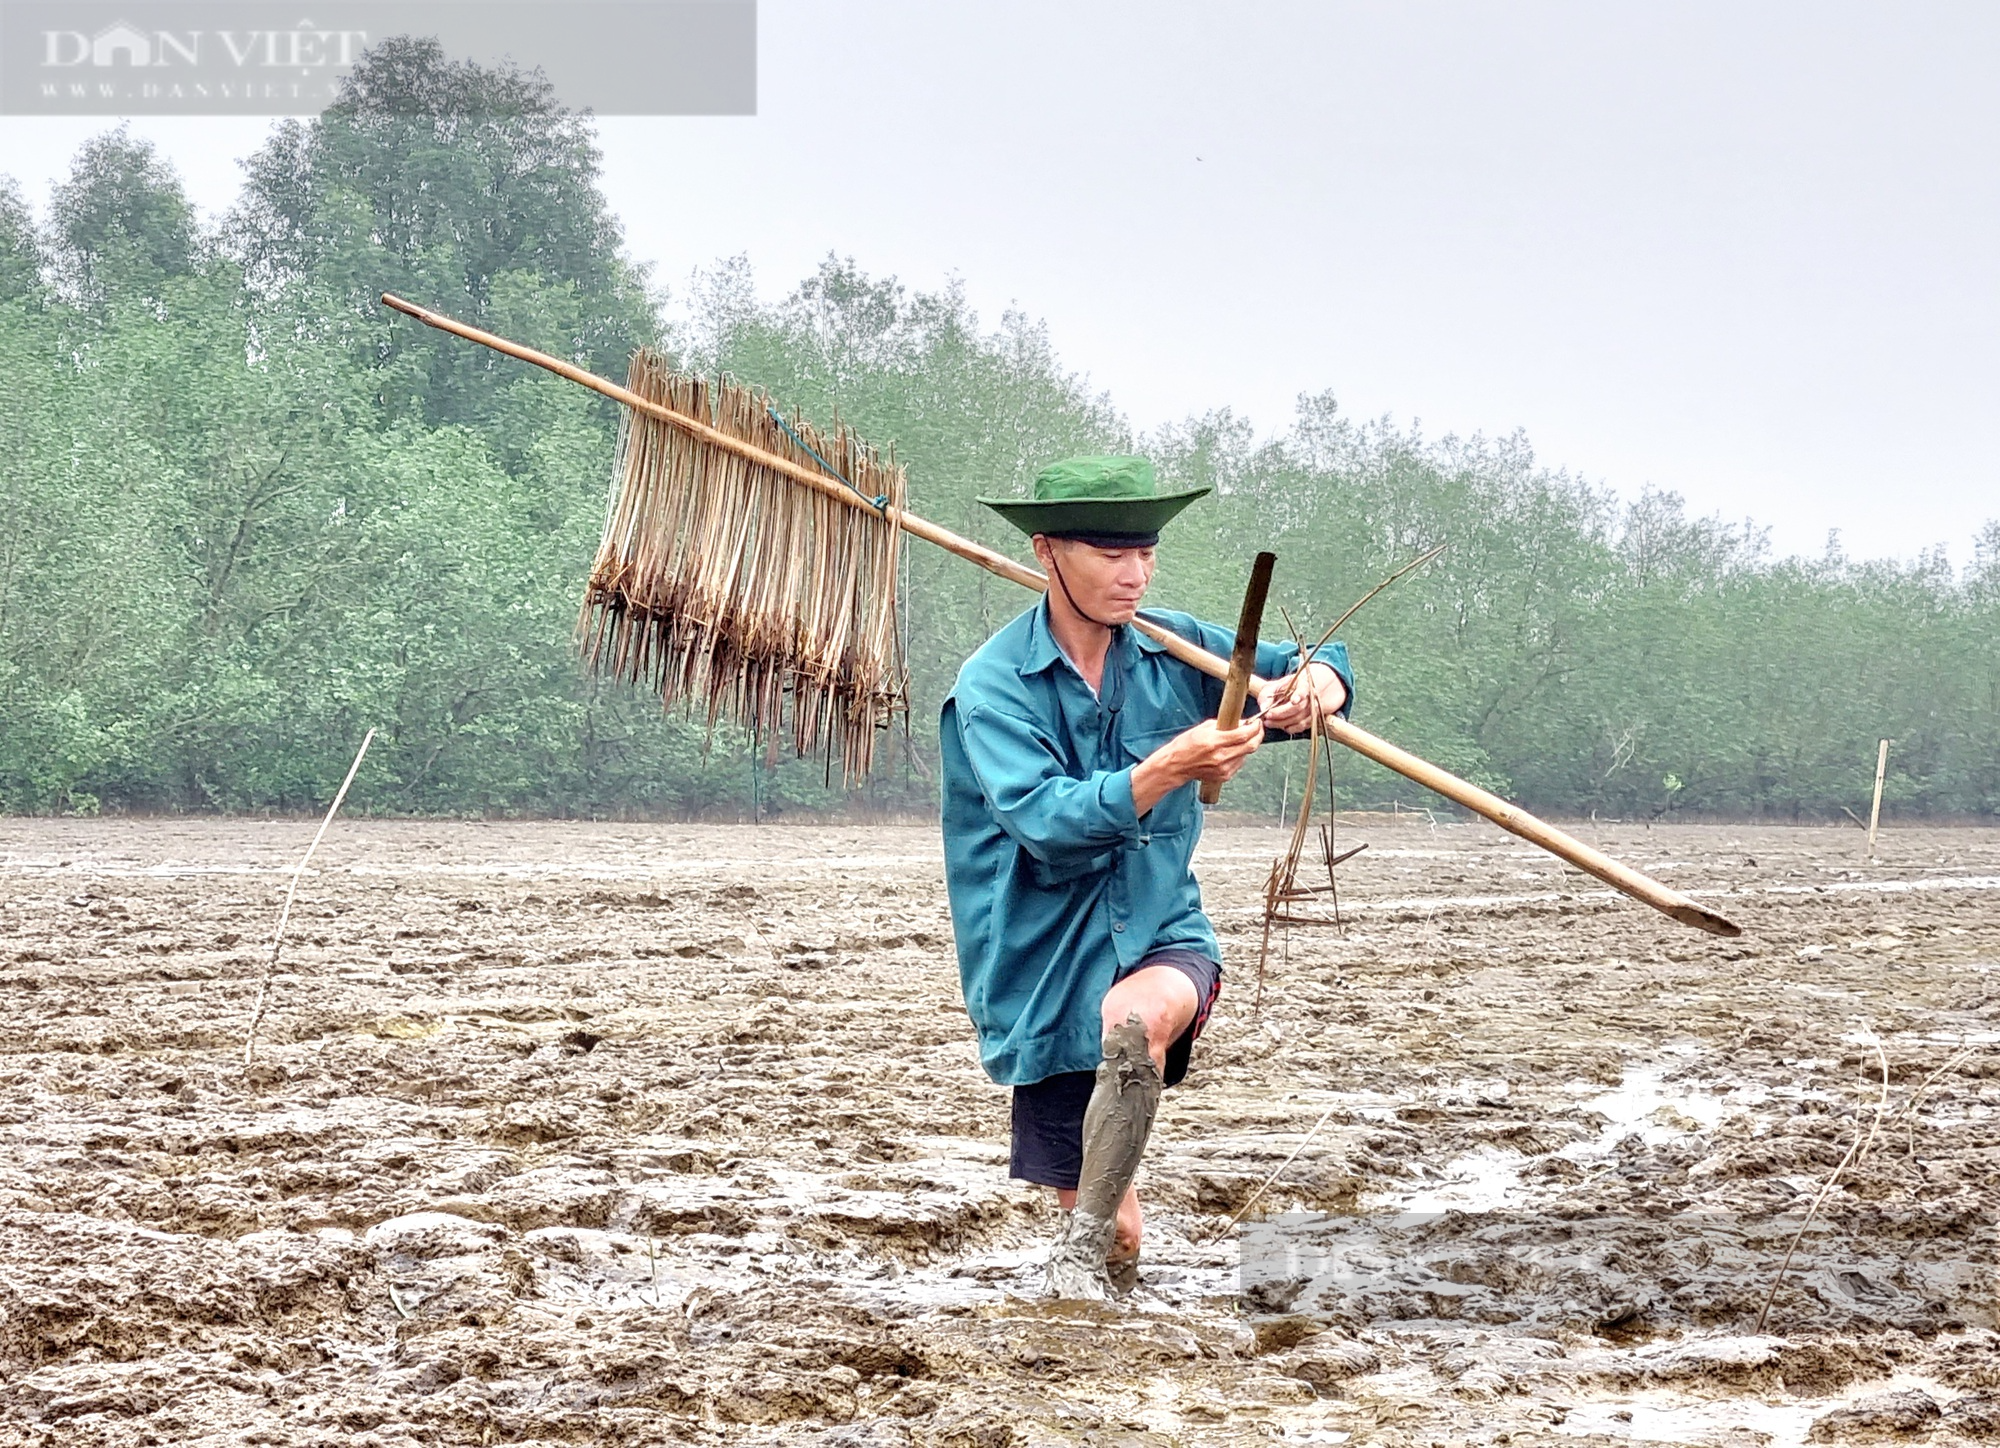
{"type": "Point", "coordinates": [1073, 745]}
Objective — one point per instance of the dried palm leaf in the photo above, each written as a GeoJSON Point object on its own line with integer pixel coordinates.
{"type": "Point", "coordinates": [734, 591]}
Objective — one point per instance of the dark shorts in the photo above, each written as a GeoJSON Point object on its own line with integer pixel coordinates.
{"type": "Point", "coordinates": [1048, 1116]}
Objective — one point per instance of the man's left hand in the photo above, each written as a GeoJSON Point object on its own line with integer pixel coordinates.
{"type": "Point", "coordinates": [1287, 704]}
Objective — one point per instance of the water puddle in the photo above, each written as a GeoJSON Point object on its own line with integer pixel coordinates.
{"type": "Point", "coordinates": [1643, 1104]}
{"type": "Point", "coordinates": [1665, 1417]}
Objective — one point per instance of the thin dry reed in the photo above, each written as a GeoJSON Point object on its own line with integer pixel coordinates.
{"type": "Point", "coordinates": [735, 591]}
{"type": "Point", "coordinates": [1284, 897]}
{"type": "Point", "coordinates": [291, 894]}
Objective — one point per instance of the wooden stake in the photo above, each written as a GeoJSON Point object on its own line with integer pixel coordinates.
{"type": "Point", "coordinates": [1243, 657]}
{"type": "Point", "coordinates": [1875, 809]}
{"type": "Point", "coordinates": [1514, 820]}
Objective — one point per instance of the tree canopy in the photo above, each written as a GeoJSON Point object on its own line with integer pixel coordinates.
{"type": "Point", "coordinates": [245, 514]}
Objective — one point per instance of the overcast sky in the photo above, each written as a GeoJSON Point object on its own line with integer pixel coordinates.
{"type": "Point", "coordinates": [1747, 252]}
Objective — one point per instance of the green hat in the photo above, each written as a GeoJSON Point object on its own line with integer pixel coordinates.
{"type": "Point", "coordinates": [1108, 498]}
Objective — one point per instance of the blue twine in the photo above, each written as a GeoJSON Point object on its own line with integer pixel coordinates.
{"type": "Point", "coordinates": [880, 503]}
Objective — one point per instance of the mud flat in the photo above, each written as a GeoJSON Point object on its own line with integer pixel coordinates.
{"type": "Point", "coordinates": [578, 1133]}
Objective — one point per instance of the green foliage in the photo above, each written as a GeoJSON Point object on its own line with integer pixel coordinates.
{"type": "Point", "coordinates": [121, 223]}
{"type": "Point", "coordinates": [468, 188]}
{"type": "Point", "coordinates": [246, 514]}
{"type": "Point", "coordinates": [20, 249]}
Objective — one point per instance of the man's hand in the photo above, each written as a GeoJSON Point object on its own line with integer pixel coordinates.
{"type": "Point", "coordinates": [1287, 704]}
{"type": "Point", "coordinates": [1205, 752]}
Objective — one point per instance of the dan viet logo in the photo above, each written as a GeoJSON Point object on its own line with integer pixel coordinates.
{"type": "Point", "coordinates": [302, 48]}
{"type": "Point", "coordinates": [259, 57]}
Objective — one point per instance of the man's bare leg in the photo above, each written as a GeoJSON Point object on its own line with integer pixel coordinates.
{"type": "Point", "coordinates": [1143, 1014]}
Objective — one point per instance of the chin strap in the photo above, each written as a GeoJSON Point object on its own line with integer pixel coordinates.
{"type": "Point", "coordinates": [1071, 598]}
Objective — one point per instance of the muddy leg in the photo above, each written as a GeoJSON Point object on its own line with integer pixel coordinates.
{"type": "Point", "coordinates": [1115, 1127]}
{"type": "Point", "coordinates": [1121, 1265]}
{"type": "Point", "coordinates": [1122, 1273]}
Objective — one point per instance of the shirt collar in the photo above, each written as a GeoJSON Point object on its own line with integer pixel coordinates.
{"type": "Point", "coordinates": [1043, 651]}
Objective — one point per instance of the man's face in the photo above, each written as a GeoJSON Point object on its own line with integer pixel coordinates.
{"type": "Point", "coordinates": [1107, 583]}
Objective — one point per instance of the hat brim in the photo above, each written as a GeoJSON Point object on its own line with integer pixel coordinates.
{"type": "Point", "coordinates": [1094, 515]}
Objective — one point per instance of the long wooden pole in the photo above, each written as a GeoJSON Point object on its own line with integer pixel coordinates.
{"type": "Point", "coordinates": [1509, 817]}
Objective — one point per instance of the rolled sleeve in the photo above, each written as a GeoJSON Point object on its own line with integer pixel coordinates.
{"type": "Point", "coordinates": [1059, 819]}
{"type": "Point", "coordinates": [1275, 660]}
{"type": "Point", "coordinates": [1334, 654]}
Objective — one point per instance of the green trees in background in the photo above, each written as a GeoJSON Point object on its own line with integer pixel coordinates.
{"type": "Point", "coordinates": [245, 514]}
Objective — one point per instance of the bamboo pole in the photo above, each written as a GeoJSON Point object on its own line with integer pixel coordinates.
{"type": "Point", "coordinates": [1517, 821]}
{"type": "Point", "coordinates": [1875, 809]}
{"type": "Point", "coordinates": [1509, 817]}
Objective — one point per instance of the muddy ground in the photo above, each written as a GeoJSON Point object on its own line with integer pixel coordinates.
{"type": "Point", "coordinates": [573, 1133]}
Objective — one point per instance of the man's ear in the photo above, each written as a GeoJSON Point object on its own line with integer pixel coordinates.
{"type": "Point", "coordinates": [1044, 549]}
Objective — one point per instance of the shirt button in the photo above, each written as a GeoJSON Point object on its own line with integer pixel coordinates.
{"type": "Point", "coordinates": [1119, 928]}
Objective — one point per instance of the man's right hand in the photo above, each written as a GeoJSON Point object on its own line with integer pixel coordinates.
{"type": "Point", "coordinates": [1207, 752]}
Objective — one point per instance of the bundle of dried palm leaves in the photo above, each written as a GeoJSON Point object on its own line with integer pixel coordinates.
{"type": "Point", "coordinates": [734, 591]}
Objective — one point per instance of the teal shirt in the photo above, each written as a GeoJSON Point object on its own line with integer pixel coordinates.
{"type": "Point", "coordinates": [1055, 880]}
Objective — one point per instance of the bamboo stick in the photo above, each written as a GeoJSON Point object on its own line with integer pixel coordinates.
{"type": "Point", "coordinates": [1517, 821]}
{"type": "Point", "coordinates": [291, 894]}
{"type": "Point", "coordinates": [1242, 658]}
{"type": "Point", "coordinates": [1514, 820]}
{"type": "Point", "coordinates": [1875, 809]}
